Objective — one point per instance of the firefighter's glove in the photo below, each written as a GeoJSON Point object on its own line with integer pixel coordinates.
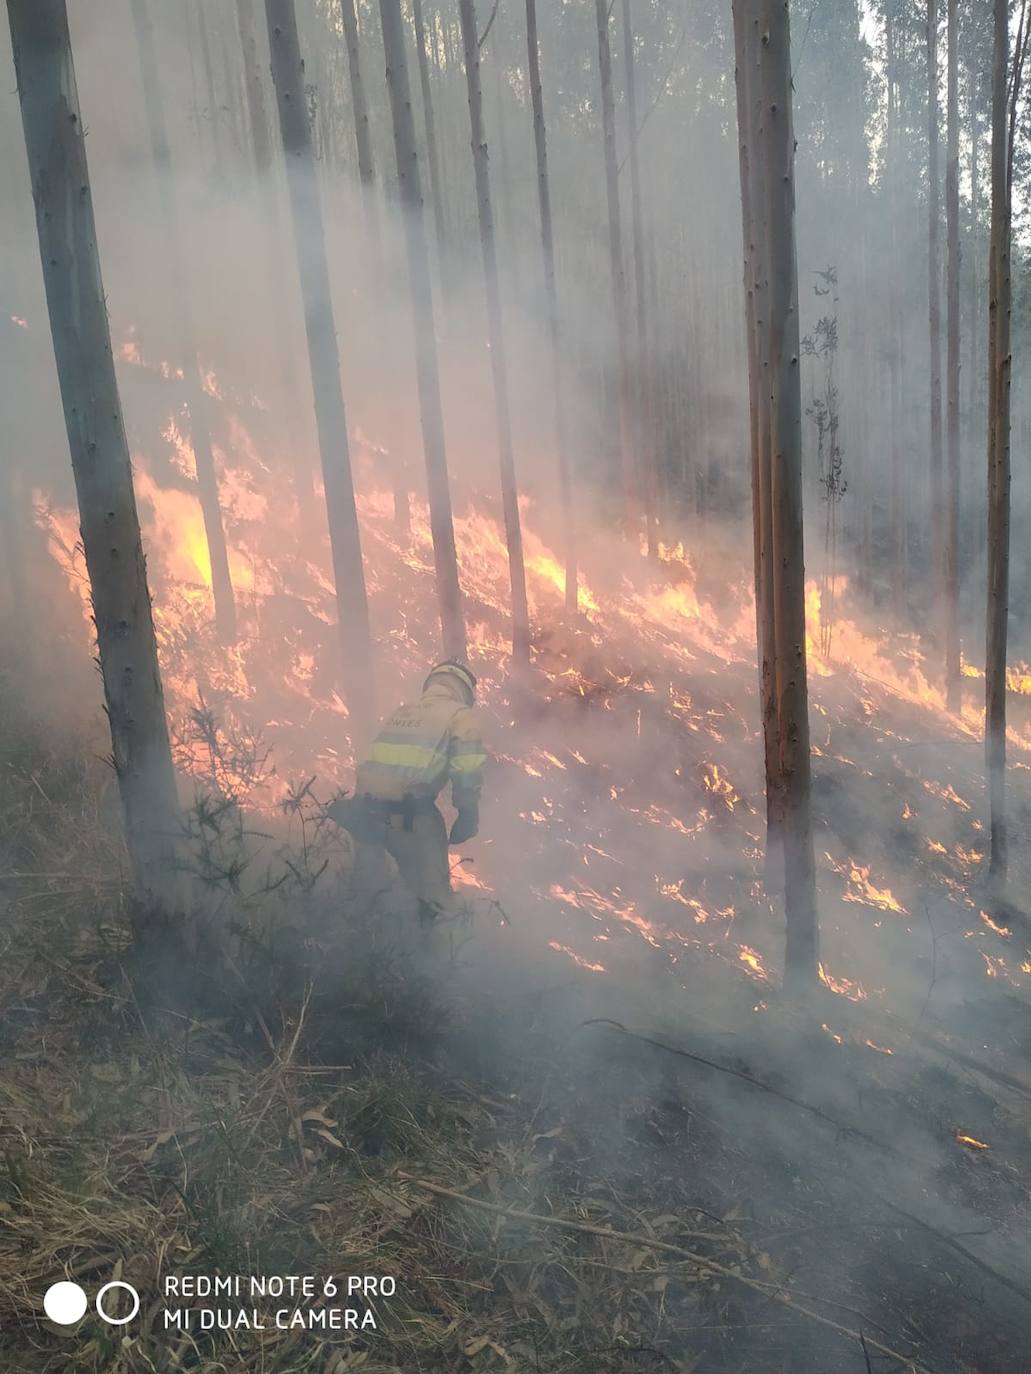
{"type": "Point", "coordinates": [466, 825]}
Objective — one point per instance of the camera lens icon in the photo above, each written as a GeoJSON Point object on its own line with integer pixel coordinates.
{"type": "Point", "coordinates": [65, 1303]}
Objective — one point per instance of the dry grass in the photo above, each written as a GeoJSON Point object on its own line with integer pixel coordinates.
{"type": "Point", "coordinates": [163, 1119]}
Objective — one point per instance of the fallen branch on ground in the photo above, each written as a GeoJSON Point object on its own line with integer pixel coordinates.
{"type": "Point", "coordinates": [777, 1292]}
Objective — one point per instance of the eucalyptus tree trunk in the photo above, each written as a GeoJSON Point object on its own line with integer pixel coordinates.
{"type": "Point", "coordinates": [934, 301]}
{"type": "Point", "coordinates": [214, 117]}
{"type": "Point", "coordinates": [999, 295]}
{"type": "Point", "coordinates": [975, 302]}
{"type": "Point", "coordinates": [551, 294]}
{"type": "Point", "coordinates": [631, 482]}
{"type": "Point", "coordinates": [359, 104]}
{"type": "Point", "coordinates": [950, 534]}
{"type": "Point", "coordinates": [374, 246]}
{"type": "Point", "coordinates": [786, 501]}
{"type": "Point", "coordinates": [179, 300]}
{"type": "Point", "coordinates": [261, 141]}
{"type": "Point", "coordinates": [427, 368]}
{"type": "Point", "coordinates": [430, 123]}
{"type": "Point", "coordinates": [496, 338]}
{"type": "Point", "coordinates": [279, 313]}
{"type": "Point", "coordinates": [643, 362]}
{"type": "Point", "coordinates": [324, 361]}
{"type": "Point", "coordinates": [751, 167]}
{"type": "Point", "coordinates": [894, 353]}
{"type": "Point", "coordinates": [55, 144]}
{"type": "Point", "coordinates": [768, 203]}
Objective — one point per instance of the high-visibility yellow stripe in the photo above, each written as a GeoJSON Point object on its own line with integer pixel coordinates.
{"type": "Point", "coordinates": [467, 763]}
{"type": "Point", "coordinates": [405, 755]}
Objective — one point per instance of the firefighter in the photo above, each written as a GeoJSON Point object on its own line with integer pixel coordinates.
{"type": "Point", "coordinates": [422, 747]}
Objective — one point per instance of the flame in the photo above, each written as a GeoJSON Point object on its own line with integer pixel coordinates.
{"type": "Point", "coordinates": [999, 930]}
{"type": "Point", "coordinates": [844, 987]}
{"type": "Point", "coordinates": [647, 647]}
{"type": "Point", "coordinates": [753, 962]}
{"type": "Point", "coordinates": [720, 785]}
{"type": "Point", "coordinates": [577, 959]}
{"type": "Point", "coordinates": [971, 1141]}
{"type": "Point", "coordinates": [862, 890]}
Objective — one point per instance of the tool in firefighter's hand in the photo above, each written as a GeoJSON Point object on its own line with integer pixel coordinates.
{"type": "Point", "coordinates": [467, 824]}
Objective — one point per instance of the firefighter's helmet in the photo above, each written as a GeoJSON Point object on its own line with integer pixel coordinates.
{"type": "Point", "coordinates": [454, 668]}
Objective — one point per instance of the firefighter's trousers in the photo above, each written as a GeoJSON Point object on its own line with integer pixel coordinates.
{"type": "Point", "coordinates": [421, 855]}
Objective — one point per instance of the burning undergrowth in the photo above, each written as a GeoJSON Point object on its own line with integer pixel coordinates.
{"type": "Point", "coordinates": [625, 800]}
{"type": "Point", "coordinates": [623, 838]}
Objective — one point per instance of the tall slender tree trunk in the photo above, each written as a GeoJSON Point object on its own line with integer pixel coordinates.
{"type": "Point", "coordinates": [430, 124]}
{"type": "Point", "coordinates": [324, 361]}
{"type": "Point", "coordinates": [895, 361]}
{"type": "Point", "coordinates": [800, 965]}
{"type": "Point", "coordinates": [999, 294]}
{"type": "Point", "coordinates": [953, 694]}
{"type": "Point", "coordinates": [643, 362]}
{"type": "Point", "coordinates": [285, 360]}
{"type": "Point", "coordinates": [496, 337]}
{"type": "Point", "coordinates": [762, 40]}
{"type": "Point", "coordinates": [374, 247]}
{"type": "Point", "coordinates": [750, 113]}
{"type": "Point", "coordinates": [551, 297]}
{"type": "Point", "coordinates": [214, 113]}
{"type": "Point", "coordinates": [631, 481]}
{"type": "Point", "coordinates": [934, 303]}
{"type": "Point", "coordinates": [427, 367]}
{"type": "Point", "coordinates": [261, 142]}
{"type": "Point", "coordinates": [179, 298]}
{"type": "Point", "coordinates": [55, 143]}
{"type": "Point", "coordinates": [975, 303]}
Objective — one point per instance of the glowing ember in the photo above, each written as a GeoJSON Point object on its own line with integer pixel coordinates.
{"type": "Point", "coordinates": [881, 1049]}
{"type": "Point", "coordinates": [970, 1141]}
{"type": "Point", "coordinates": [753, 962]}
{"type": "Point", "coordinates": [946, 793]}
{"type": "Point", "coordinates": [577, 959]}
{"type": "Point", "coordinates": [720, 785]}
{"type": "Point", "coordinates": [844, 987]}
{"type": "Point", "coordinates": [999, 930]}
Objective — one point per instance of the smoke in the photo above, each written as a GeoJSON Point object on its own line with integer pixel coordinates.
{"type": "Point", "coordinates": [624, 819]}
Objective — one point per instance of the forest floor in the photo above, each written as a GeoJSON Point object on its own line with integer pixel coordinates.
{"type": "Point", "coordinates": [336, 1091]}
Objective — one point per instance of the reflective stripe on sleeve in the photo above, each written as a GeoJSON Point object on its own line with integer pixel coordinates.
{"type": "Point", "coordinates": [467, 763]}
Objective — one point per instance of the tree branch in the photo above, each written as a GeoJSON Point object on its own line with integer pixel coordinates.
{"type": "Point", "coordinates": [483, 36]}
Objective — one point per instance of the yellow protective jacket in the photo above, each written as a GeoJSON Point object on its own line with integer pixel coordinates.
{"type": "Point", "coordinates": [423, 746]}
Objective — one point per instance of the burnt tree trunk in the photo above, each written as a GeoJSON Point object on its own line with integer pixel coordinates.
{"type": "Point", "coordinates": [427, 367]}
{"type": "Point", "coordinates": [631, 484]}
{"type": "Point", "coordinates": [950, 533]}
{"type": "Point", "coordinates": [496, 338]}
{"type": "Point", "coordinates": [55, 144]}
{"type": "Point", "coordinates": [179, 296]}
{"type": "Point", "coordinates": [324, 361]}
{"type": "Point", "coordinates": [551, 294]}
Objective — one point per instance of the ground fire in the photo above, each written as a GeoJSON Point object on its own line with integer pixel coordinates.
{"type": "Point", "coordinates": [517, 763]}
